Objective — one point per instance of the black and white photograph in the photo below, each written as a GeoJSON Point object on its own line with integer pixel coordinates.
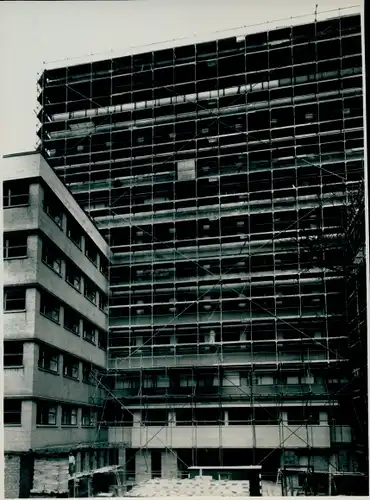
{"type": "Point", "coordinates": [185, 268]}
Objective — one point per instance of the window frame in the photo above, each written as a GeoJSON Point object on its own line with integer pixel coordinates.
{"type": "Point", "coordinates": [52, 300]}
{"type": "Point", "coordinates": [103, 302]}
{"type": "Point", "coordinates": [89, 247]}
{"type": "Point", "coordinates": [7, 412]}
{"type": "Point", "coordinates": [72, 314]}
{"type": "Point", "coordinates": [88, 284]}
{"type": "Point", "coordinates": [8, 186]}
{"type": "Point", "coordinates": [76, 282]}
{"type": "Point", "coordinates": [46, 410]}
{"type": "Point", "coordinates": [19, 355]}
{"type": "Point", "coordinates": [71, 367]}
{"type": "Point", "coordinates": [91, 417]}
{"type": "Point", "coordinates": [102, 345]}
{"type": "Point", "coordinates": [51, 207]}
{"type": "Point", "coordinates": [69, 413]}
{"type": "Point", "coordinates": [7, 247]}
{"type": "Point", "coordinates": [23, 299]}
{"type": "Point", "coordinates": [74, 227]}
{"type": "Point", "coordinates": [46, 357]}
{"type": "Point", "coordinates": [87, 380]}
{"type": "Point", "coordinates": [54, 259]}
{"type": "Point", "coordinates": [88, 323]}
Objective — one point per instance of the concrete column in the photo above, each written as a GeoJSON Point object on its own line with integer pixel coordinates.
{"type": "Point", "coordinates": [284, 417]}
{"type": "Point", "coordinates": [171, 418]}
{"type": "Point", "coordinates": [121, 456]}
{"type": "Point", "coordinates": [136, 419]}
{"type": "Point", "coordinates": [94, 459]}
{"type": "Point", "coordinates": [169, 464]}
{"type": "Point", "coordinates": [323, 416]}
{"type": "Point", "coordinates": [226, 417]}
{"type": "Point", "coordinates": [78, 462]}
{"type": "Point", "coordinates": [101, 458]}
{"type": "Point", "coordinates": [143, 465]}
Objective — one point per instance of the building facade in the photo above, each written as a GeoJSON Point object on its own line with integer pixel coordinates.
{"type": "Point", "coordinates": [55, 328]}
{"type": "Point", "coordinates": [221, 174]}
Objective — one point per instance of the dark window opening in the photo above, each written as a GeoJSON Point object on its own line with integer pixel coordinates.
{"type": "Point", "coordinates": [15, 193]}
{"type": "Point", "coordinates": [87, 374]}
{"type": "Point", "coordinates": [88, 418]}
{"type": "Point", "coordinates": [15, 299]}
{"type": "Point", "coordinates": [12, 412]}
{"type": "Point", "coordinates": [71, 367]}
{"type": "Point", "coordinates": [102, 339]}
{"type": "Point", "coordinates": [91, 251]}
{"type": "Point", "coordinates": [74, 232]}
{"type": "Point", "coordinates": [14, 246]}
{"type": "Point", "coordinates": [12, 353]}
{"type": "Point", "coordinates": [53, 209]}
{"type": "Point", "coordinates": [69, 415]}
{"type": "Point", "coordinates": [72, 320]}
{"type": "Point", "coordinates": [73, 276]}
{"type": "Point", "coordinates": [89, 332]}
{"type": "Point", "coordinates": [50, 307]}
{"type": "Point", "coordinates": [48, 360]}
{"type": "Point", "coordinates": [51, 257]}
{"type": "Point", "coordinates": [90, 291]}
{"type": "Point", "coordinates": [103, 302]}
{"type": "Point", "coordinates": [46, 414]}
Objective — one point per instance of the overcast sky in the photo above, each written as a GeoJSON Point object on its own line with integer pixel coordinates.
{"type": "Point", "coordinates": [34, 32]}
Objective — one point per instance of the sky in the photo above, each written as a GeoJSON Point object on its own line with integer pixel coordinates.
{"type": "Point", "coordinates": [33, 32]}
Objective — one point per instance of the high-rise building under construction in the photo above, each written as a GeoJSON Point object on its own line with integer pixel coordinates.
{"type": "Point", "coordinates": [225, 176]}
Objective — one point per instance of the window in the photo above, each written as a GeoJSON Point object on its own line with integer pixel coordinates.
{"type": "Point", "coordinates": [104, 266]}
{"type": "Point", "coordinates": [14, 246]}
{"type": "Point", "coordinates": [50, 307]}
{"type": "Point", "coordinates": [102, 339]}
{"type": "Point", "coordinates": [46, 414]}
{"type": "Point", "coordinates": [73, 276]}
{"type": "Point", "coordinates": [53, 209]}
{"type": "Point", "coordinates": [12, 412]}
{"type": "Point", "coordinates": [72, 320]}
{"type": "Point", "coordinates": [74, 232]}
{"type": "Point", "coordinates": [91, 251]}
{"type": "Point", "coordinates": [89, 332]}
{"type": "Point", "coordinates": [51, 257]}
{"type": "Point", "coordinates": [71, 367]}
{"type": "Point", "coordinates": [48, 360]}
{"type": "Point", "coordinates": [103, 301]}
{"type": "Point", "coordinates": [15, 299]}
{"type": "Point", "coordinates": [12, 353]}
{"type": "Point", "coordinates": [16, 193]}
{"type": "Point", "coordinates": [88, 418]}
{"type": "Point", "coordinates": [87, 375]}
{"type": "Point", "coordinates": [90, 291]}
{"type": "Point", "coordinates": [69, 415]}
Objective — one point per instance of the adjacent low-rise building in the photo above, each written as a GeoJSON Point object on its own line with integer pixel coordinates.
{"type": "Point", "coordinates": [55, 329]}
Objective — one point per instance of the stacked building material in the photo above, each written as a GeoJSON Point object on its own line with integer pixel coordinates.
{"type": "Point", "coordinates": [200, 486]}
{"type": "Point", "coordinates": [50, 476]}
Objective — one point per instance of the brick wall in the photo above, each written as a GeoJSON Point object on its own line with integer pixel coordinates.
{"type": "Point", "coordinates": [12, 475]}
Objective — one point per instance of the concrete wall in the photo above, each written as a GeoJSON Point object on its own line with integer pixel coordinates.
{"type": "Point", "coordinates": [143, 466]}
{"type": "Point", "coordinates": [19, 438]}
{"type": "Point", "coordinates": [12, 471]}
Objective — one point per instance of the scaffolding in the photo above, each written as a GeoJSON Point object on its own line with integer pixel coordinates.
{"type": "Point", "coordinates": [223, 175]}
